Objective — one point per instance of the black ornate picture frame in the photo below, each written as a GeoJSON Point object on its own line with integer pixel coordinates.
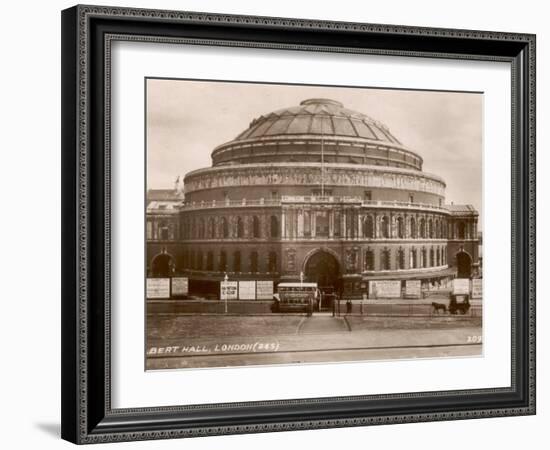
{"type": "Point", "coordinates": [87, 35]}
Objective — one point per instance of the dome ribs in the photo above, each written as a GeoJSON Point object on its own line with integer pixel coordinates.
{"type": "Point", "coordinates": [299, 132]}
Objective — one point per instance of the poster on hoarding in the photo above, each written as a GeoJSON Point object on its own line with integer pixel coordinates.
{"type": "Point", "coordinates": [412, 289]}
{"type": "Point", "coordinates": [477, 288]}
{"type": "Point", "coordinates": [264, 290]}
{"type": "Point", "coordinates": [461, 286]}
{"type": "Point", "coordinates": [385, 289]}
{"type": "Point", "coordinates": [247, 290]}
{"type": "Point", "coordinates": [228, 290]}
{"type": "Point", "coordinates": [180, 286]}
{"type": "Point", "coordinates": [158, 287]}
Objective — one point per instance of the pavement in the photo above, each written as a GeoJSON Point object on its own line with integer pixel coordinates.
{"type": "Point", "coordinates": [315, 339]}
{"type": "Point", "coordinates": [310, 341]}
{"type": "Point", "coordinates": [316, 356]}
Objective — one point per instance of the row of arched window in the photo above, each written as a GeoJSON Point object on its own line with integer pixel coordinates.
{"type": "Point", "coordinates": [224, 261]}
{"type": "Point", "coordinates": [233, 227]}
{"type": "Point", "coordinates": [161, 230]}
{"type": "Point", "coordinates": [251, 227]}
{"type": "Point", "coordinates": [417, 258]}
{"type": "Point", "coordinates": [412, 228]}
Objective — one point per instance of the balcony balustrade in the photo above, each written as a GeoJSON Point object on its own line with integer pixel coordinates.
{"type": "Point", "coordinates": [313, 200]}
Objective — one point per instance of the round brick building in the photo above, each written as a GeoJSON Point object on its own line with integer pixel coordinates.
{"type": "Point", "coordinates": [315, 189]}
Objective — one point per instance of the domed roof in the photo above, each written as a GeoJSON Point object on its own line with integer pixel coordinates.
{"type": "Point", "coordinates": [318, 116]}
{"type": "Point", "coordinates": [318, 129]}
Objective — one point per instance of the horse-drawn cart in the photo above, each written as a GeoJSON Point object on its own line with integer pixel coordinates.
{"type": "Point", "coordinates": [460, 303]}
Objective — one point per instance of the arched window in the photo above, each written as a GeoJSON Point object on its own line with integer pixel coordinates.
{"type": "Point", "coordinates": [202, 228]}
{"type": "Point", "coordinates": [369, 260]}
{"type": "Point", "coordinates": [272, 262]}
{"type": "Point", "coordinates": [400, 228]}
{"type": "Point", "coordinates": [424, 257]}
{"type": "Point", "coordinates": [222, 267]}
{"type": "Point", "coordinates": [438, 257]}
{"type": "Point", "coordinates": [461, 230]}
{"type": "Point", "coordinates": [274, 227]}
{"type": "Point", "coordinates": [321, 224]}
{"type": "Point", "coordinates": [194, 231]}
{"type": "Point", "coordinates": [386, 259]}
{"type": "Point", "coordinates": [422, 228]}
{"type": "Point", "coordinates": [368, 227]}
{"type": "Point", "coordinates": [412, 259]}
{"type": "Point", "coordinates": [237, 261]}
{"type": "Point", "coordinates": [254, 262]}
{"type": "Point", "coordinates": [337, 223]}
{"type": "Point", "coordinates": [432, 257]}
{"type": "Point", "coordinates": [225, 228]}
{"type": "Point", "coordinates": [430, 229]}
{"type": "Point", "coordinates": [185, 229]}
{"type": "Point", "coordinates": [385, 227]}
{"type": "Point", "coordinates": [401, 259]}
{"type": "Point", "coordinates": [240, 228]}
{"type": "Point", "coordinates": [163, 231]}
{"type": "Point", "coordinates": [255, 227]}
{"type": "Point", "coordinates": [211, 228]}
{"type": "Point", "coordinates": [210, 261]}
{"type": "Point", "coordinates": [413, 228]}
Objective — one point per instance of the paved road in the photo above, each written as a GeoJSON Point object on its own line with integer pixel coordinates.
{"type": "Point", "coordinates": [406, 308]}
{"type": "Point", "coordinates": [322, 324]}
{"type": "Point", "coordinates": [317, 356]}
{"type": "Point", "coordinates": [217, 340]}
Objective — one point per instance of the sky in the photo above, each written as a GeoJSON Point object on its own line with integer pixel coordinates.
{"type": "Point", "coordinates": [187, 119]}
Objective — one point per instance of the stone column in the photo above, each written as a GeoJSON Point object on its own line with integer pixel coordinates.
{"type": "Point", "coordinates": [331, 224]}
{"type": "Point", "coordinates": [300, 223]}
{"type": "Point", "coordinates": [343, 228]}
{"type": "Point", "coordinates": [291, 225]}
{"type": "Point", "coordinates": [359, 225]}
{"type": "Point", "coordinates": [313, 223]}
{"type": "Point", "coordinates": [283, 224]}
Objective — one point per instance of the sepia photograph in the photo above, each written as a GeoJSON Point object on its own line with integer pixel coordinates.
{"type": "Point", "coordinates": [296, 224]}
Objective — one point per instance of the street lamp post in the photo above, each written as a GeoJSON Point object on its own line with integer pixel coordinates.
{"type": "Point", "coordinates": [225, 279]}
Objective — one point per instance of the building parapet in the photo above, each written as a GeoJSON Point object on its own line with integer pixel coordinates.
{"type": "Point", "coordinates": [312, 200]}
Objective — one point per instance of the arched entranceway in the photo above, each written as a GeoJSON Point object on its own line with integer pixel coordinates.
{"type": "Point", "coordinates": [161, 266]}
{"type": "Point", "coordinates": [464, 265]}
{"type": "Point", "coordinates": [323, 268]}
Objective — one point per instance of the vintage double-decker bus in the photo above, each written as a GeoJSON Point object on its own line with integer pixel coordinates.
{"type": "Point", "coordinates": [296, 297]}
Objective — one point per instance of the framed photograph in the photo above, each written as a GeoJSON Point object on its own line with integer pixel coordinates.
{"type": "Point", "coordinates": [280, 224]}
